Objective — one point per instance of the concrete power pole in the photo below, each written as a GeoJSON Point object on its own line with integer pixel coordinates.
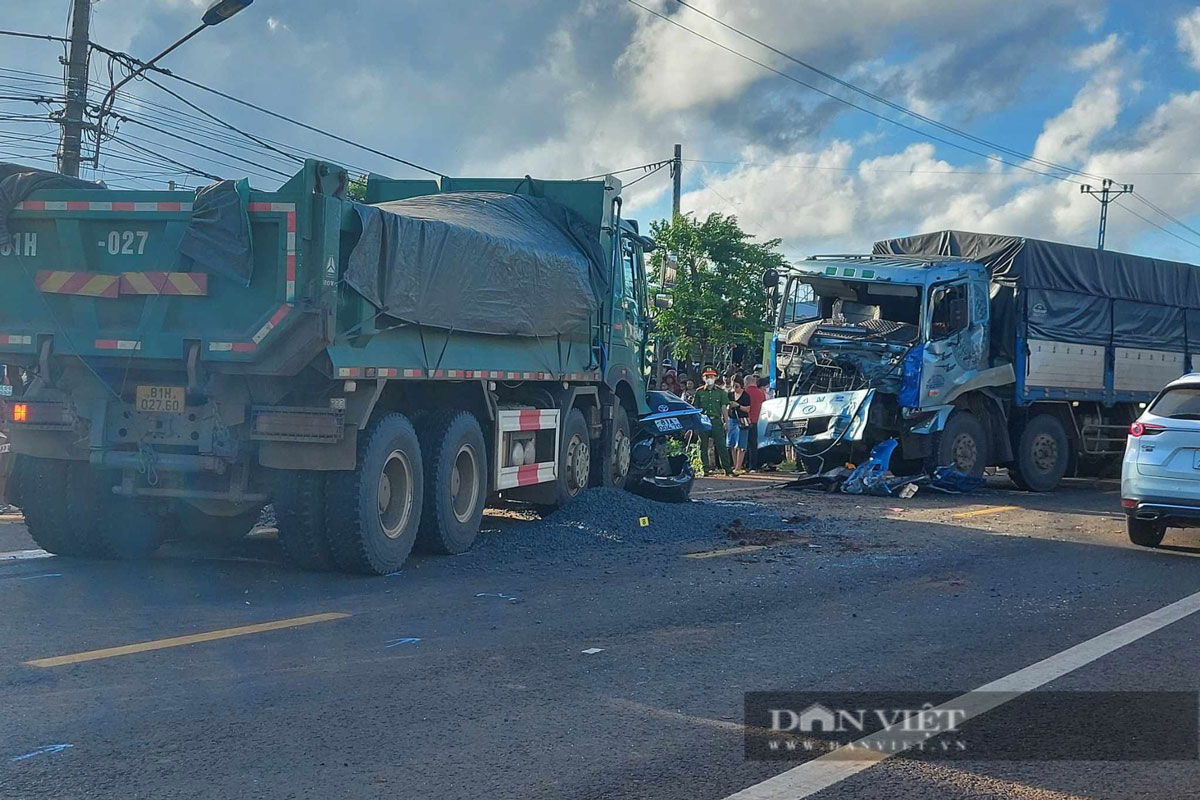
{"type": "Point", "coordinates": [677, 179]}
{"type": "Point", "coordinates": [1105, 195]}
{"type": "Point", "coordinates": [77, 88]}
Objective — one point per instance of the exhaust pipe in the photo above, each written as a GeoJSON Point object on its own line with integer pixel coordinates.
{"type": "Point", "coordinates": [1148, 515]}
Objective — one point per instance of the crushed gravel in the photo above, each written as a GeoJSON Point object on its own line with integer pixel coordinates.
{"type": "Point", "coordinates": [611, 520]}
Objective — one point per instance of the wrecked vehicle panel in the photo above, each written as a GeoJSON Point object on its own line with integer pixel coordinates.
{"type": "Point", "coordinates": [814, 418]}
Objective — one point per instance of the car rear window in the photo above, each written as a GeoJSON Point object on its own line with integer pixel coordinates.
{"type": "Point", "coordinates": [1182, 402]}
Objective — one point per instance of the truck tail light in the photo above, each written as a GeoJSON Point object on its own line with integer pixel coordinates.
{"type": "Point", "coordinates": [43, 415]}
{"type": "Point", "coordinates": [20, 412]}
{"type": "Point", "coordinates": [1139, 429]}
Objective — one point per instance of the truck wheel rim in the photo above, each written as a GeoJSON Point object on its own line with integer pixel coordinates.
{"type": "Point", "coordinates": [1044, 452]}
{"type": "Point", "coordinates": [395, 494]}
{"type": "Point", "coordinates": [620, 465]}
{"type": "Point", "coordinates": [577, 463]}
{"type": "Point", "coordinates": [464, 483]}
{"type": "Point", "coordinates": [965, 452]}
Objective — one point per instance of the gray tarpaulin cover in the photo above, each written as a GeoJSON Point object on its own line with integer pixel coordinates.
{"type": "Point", "coordinates": [480, 262]}
{"type": "Point", "coordinates": [217, 238]}
{"type": "Point", "coordinates": [1075, 294]}
{"type": "Point", "coordinates": [17, 182]}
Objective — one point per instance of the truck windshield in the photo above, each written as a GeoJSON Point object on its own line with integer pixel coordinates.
{"type": "Point", "coordinates": [853, 309]}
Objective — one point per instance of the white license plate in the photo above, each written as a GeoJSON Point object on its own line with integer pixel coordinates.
{"type": "Point", "coordinates": [668, 424]}
{"type": "Point", "coordinates": [160, 399]}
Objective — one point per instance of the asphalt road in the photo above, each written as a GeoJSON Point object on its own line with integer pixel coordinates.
{"type": "Point", "coordinates": [613, 670]}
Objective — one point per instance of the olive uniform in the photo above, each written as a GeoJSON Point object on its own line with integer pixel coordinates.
{"type": "Point", "coordinates": [712, 401]}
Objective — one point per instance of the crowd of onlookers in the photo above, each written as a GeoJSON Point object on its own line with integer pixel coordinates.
{"type": "Point", "coordinates": [732, 403]}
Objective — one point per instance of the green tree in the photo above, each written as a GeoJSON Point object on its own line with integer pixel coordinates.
{"type": "Point", "coordinates": [717, 297]}
{"type": "Point", "coordinates": [356, 188]}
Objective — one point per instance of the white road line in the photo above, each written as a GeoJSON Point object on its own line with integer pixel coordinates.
{"type": "Point", "coordinates": [821, 773]}
{"type": "Point", "coordinates": [24, 555]}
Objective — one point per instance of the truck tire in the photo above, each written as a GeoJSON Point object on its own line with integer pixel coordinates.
{"type": "Point", "coordinates": [1043, 454]}
{"type": "Point", "coordinates": [43, 487]}
{"type": "Point", "coordinates": [962, 444]}
{"type": "Point", "coordinates": [574, 459]}
{"type": "Point", "coordinates": [298, 497]}
{"type": "Point", "coordinates": [611, 464]}
{"type": "Point", "coordinates": [455, 456]}
{"type": "Point", "coordinates": [117, 528]}
{"type": "Point", "coordinates": [1145, 532]}
{"type": "Point", "coordinates": [372, 514]}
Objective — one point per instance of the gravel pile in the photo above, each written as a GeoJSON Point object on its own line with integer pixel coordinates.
{"type": "Point", "coordinates": [610, 520]}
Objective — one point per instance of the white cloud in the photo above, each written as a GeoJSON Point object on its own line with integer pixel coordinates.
{"type": "Point", "coordinates": [1187, 29]}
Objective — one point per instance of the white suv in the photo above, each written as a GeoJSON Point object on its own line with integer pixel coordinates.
{"type": "Point", "coordinates": [1160, 476]}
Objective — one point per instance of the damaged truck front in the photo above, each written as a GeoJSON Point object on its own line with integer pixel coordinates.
{"type": "Point", "coordinates": [871, 347]}
{"type": "Point", "coordinates": [975, 350]}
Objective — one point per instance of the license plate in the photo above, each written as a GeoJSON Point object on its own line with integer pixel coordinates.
{"type": "Point", "coordinates": [668, 424]}
{"type": "Point", "coordinates": [160, 399]}
{"type": "Point", "coordinates": [5, 390]}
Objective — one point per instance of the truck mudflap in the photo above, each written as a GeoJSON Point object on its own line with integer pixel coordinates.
{"type": "Point", "coordinates": [814, 418]}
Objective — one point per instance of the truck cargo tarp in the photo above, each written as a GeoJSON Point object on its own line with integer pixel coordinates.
{"type": "Point", "coordinates": [217, 238]}
{"type": "Point", "coordinates": [1072, 279]}
{"type": "Point", "coordinates": [480, 262]}
{"type": "Point", "coordinates": [17, 182]}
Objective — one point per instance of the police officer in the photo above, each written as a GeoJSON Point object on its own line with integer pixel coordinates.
{"type": "Point", "coordinates": [713, 401]}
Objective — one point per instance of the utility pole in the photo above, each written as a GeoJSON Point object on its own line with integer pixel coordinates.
{"type": "Point", "coordinates": [1105, 195]}
{"type": "Point", "coordinates": [677, 179]}
{"type": "Point", "coordinates": [77, 89]}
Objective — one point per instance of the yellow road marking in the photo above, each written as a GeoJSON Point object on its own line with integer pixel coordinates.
{"type": "Point", "coordinates": [728, 551]}
{"type": "Point", "coordinates": [178, 641]}
{"type": "Point", "coordinates": [989, 510]}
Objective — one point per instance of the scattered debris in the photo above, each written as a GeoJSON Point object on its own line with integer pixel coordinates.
{"type": "Point", "coordinates": [509, 597]}
{"type": "Point", "coordinates": [404, 640]}
{"type": "Point", "coordinates": [591, 651]}
{"type": "Point", "coordinates": [41, 751]}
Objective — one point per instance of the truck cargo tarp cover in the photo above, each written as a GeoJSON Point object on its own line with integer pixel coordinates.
{"type": "Point", "coordinates": [480, 262]}
{"type": "Point", "coordinates": [1076, 294]}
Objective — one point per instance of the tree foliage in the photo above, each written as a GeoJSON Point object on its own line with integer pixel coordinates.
{"type": "Point", "coordinates": [717, 298]}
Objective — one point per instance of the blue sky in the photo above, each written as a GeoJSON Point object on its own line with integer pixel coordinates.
{"type": "Point", "coordinates": [566, 88]}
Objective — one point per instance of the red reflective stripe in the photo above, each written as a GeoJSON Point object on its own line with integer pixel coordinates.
{"type": "Point", "coordinates": [32, 205]}
{"type": "Point", "coordinates": [106, 344]}
{"type": "Point", "coordinates": [526, 474]}
{"type": "Point", "coordinates": [291, 267]}
{"type": "Point", "coordinates": [530, 419]}
{"type": "Point", "coordinates": [280, 314]}
{"type": "Point", "coordinates": [121, 205]}
{"type": "Point", "coordinates": [244, 347]}
{"type": "Point", "coordinates": [291, 222]}
{"type": "Point", "coordinates": [168, 206]}
{"type": "Point", "coordinates": [78, 205]}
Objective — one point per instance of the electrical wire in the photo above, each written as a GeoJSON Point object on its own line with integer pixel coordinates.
{"type": "Point", "coordinates": [125, 57]}
{"type": "Point", "coordinates": [647, 175]}
{"type": "Point", "coordinates": [877, 115]}
{"type": "Point", "coordinates": [889, 103]}
{"type": "Point", "coordinates": [1140, 198]}
{"type": "Point", "coordinates": [1155, 224]}
{"type": "Point", "coordinates": [651, 165]}
{"type": "Point", "coordinates": [156, 129]}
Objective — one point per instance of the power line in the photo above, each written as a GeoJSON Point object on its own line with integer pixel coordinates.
{"type": "Point", "coordinates": [165, 132]}
{"type": "Point", "coordinates": [23, 35]}
{"type": "Point", "coordinates": [1138, 196]}
{"type": "Point", "coordinates": [877, 115]}
{"type": "Point", "coordinates": [130, 59]}
{"type": "Point", "coordinates": [647, 175]}
{"type": "Point", "coordinates": [651, 165]}
{"type": "Point", "coordinates": [889, 103]}
{"type": "Point", "coordinates": [1155, 224]}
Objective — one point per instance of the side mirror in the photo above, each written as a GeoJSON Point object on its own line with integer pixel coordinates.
{"type": "Point", "coordinates": [770, 279]}
{"type": "Point", "coordinates": [663, 301]}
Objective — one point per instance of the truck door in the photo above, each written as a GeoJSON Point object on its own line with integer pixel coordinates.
{"type": "Point", "coordinates": [956, 330]}
{"type": "Point", "coordinates": [629, 324]}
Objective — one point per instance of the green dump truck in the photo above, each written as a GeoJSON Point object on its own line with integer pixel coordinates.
{"type": "Point", "coordinates": [377, 371]}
